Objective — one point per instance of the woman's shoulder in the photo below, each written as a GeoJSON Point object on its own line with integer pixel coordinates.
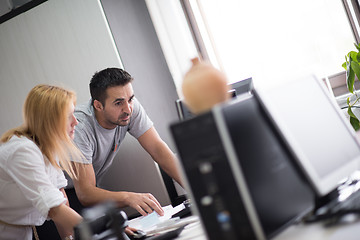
{"type": "Point", "coordinates": [21, 140]}
{"type": "Point", "coordinates": [18, 143]}
{"type": "Point", "coordinates": [19, 149]}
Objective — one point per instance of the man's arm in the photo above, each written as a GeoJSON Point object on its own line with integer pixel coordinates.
{"type": "Point", "coordinates": [161, 153]}
{"type": "Point", "coordinates": [89, 194]}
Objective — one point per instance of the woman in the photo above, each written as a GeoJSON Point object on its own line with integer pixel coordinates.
{"type": "Point", "coordinates": [32, 157]}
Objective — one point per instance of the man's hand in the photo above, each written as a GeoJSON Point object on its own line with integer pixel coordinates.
{"type": "Point", "coordinates": [144, 203]}
{"type": "Point", "coordinates": [89, 194]}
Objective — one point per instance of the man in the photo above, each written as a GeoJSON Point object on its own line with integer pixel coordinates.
{"type": "Point", "coordinates": [103, 123]}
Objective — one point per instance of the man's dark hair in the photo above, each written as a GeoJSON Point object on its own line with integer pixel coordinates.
{"type": "Point", "coordinates": [109, 77]}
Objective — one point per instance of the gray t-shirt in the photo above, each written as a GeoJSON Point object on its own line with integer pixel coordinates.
{"type": "Point", "coordinates": [100, 145]}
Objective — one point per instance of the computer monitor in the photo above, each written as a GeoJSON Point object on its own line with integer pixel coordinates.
{"type": "Point", "coordinates": [239, 172]}
{"type": "Point", "coordinates": [183, 110]}
{"type": "Point", "coordinates": [244, 86]}
{"type": "Point", "coordinates": [316, 129]}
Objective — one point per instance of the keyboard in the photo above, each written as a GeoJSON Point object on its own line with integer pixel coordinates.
{"type": "Point", "coordinates": [348, 202]}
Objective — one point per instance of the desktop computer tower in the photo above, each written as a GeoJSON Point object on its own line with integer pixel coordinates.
{"type": "Point", "coordinates": [240, 173]}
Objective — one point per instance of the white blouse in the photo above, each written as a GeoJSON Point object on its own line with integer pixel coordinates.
{"type": "Point", "coordinates": [29, 187]}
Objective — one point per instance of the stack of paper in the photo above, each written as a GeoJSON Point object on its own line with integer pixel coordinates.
{"type": "Point", "coordinates": [153, 222]}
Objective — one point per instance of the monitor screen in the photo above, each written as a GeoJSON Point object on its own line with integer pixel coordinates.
{"type": "Point", "coordinates": [316, 129]}
{"type": "Point", "coordinates": [244, 86]}
{"type": "Point", "coordinates": [237, 165]}
{"type": "Point", "coordinates": [278, 190]}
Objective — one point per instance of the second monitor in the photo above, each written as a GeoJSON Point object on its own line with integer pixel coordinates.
{"type": "Point", "coordinates": [240, 172]}
{"type": "Point", "coordinates": [244, 86]}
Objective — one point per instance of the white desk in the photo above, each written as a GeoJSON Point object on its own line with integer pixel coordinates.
{"type": "Point", "coordinates": [316, 231]}
{"type": "Point", "coordinates": [193, 231]}
{"type": "Point", "coordinates": [349, 231]}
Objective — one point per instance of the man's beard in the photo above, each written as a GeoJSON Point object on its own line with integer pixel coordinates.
{"type": "Point", "coordinates": [121, 122]}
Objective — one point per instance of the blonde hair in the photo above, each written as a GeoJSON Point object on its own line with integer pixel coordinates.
{"type": "Point", "coordinates": [45, 115]}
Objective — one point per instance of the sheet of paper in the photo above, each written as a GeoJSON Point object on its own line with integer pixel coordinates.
{"type": "Point", "coordinates": [153, 220]}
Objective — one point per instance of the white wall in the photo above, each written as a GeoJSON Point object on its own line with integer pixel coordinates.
{"type": "Point", "coordinates": [60, 42]}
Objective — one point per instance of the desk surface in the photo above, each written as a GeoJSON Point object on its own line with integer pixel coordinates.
{"type": "Point", "coordinates": [193, 231]}
{"type": "Point", "coordinates": [346, 231]}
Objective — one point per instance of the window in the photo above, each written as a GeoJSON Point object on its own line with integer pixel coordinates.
{"type": "Point", "coordinates": [273, 41]}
